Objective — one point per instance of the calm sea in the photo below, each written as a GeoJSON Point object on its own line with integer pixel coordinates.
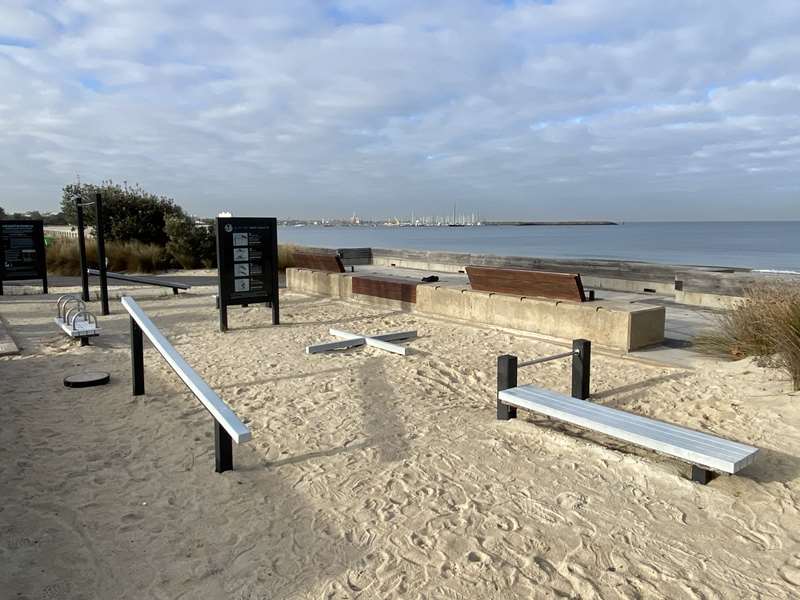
{"type": "Point", "coordinates": [762, 245]}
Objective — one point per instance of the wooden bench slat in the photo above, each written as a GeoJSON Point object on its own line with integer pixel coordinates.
{"type": "Point", "coordinates": [693, 446]}
{"type": "Point", "coordinates": [525, 282]}
{"type": "Point", "coordinates": [391, 288]}
{"type": "Point", "coordinates": [318, 262]}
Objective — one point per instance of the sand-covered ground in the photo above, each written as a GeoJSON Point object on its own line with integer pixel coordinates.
{"type": "Point", "coordinates": [373, 475]}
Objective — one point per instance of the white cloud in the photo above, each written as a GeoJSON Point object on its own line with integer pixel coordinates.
{"type": "Point", "coordinates": [594, 108]}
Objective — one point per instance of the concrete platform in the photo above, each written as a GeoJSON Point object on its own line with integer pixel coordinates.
{"type": "Point", "coordinates": [616, 324]}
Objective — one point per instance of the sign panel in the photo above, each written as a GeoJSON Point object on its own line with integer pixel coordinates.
{"type": "Point", "coordinates": [22, 254]}
{"type": "Point", "coordinates": [247, 263]}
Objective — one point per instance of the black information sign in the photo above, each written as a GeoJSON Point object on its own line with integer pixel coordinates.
{"type": "Point", "coordinates": [247, 262]}
{"type": "Point", "coordinates": [22, 254]}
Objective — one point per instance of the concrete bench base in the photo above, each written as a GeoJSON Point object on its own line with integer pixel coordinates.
{"type": "Point", "coordinates": [621, 326]}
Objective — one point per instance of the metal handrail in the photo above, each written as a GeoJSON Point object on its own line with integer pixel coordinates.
{"type": "Point", "coordinates": [536, 361]}
{"type": "Point", "coordinates": [214, 404]}
{"type": "Point", "coordinates": [227, 426]}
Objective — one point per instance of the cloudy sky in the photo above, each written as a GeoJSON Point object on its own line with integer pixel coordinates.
{"type": "Point", "coordinates": [625, 109]}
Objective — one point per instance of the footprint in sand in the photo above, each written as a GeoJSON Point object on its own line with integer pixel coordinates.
{"type": "Point", "coordinates": [790, 572]}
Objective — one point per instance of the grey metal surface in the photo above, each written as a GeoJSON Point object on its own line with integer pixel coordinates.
{"type": "Point", "coordinates": [695, 447]}
{"type": "Point", "coordinates": [213, 403]}
{"type": "Point", "coordinates": [353, 340]}
{"type": "Point", "coordinates": [543, 359]}
{"type": "Point", "coordinates": [145, 280]}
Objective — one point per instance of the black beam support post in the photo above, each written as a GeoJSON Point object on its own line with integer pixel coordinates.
{"type": "Point", "coordinates": [276, 310]}
{"type": "Point", "coordinates": [101, 253]}
{"type": "Point", "coordinates": [506, 379]}
{"type": "Point", "coordinates": [137, 359]}
{"type": "Point", "coordinates": [84, 340]}
{"type": "Point", "coordinates": [701, 475]}
{"type": "Point", "coordinates": [82, 249]}
{"type": "Point", "coordinates": [581, 368]}
{"type": "Point", "coordinates": [223, 449]}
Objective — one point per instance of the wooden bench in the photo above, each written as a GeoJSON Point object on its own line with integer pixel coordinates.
{"type": "Point", "coordinates": [391, 288]}
{"type": "Point", "coordinates": [524, 282]}
{"type": "Point", "coordinates": [705, 452]}
{"type": "Point", "coordinates": [318, 262]}
{"type": "Point", "coordinates": [142, 280]}
{"type": "Point", "coordinates": [355, 256]}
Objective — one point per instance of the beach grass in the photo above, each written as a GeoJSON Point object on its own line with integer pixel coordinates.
{"type": "Point", "coordinates": [129, 257]}
{"type": "Point", "coordinates": [765, 325]}
{"type": "Point", "coordinates": [63, 257]}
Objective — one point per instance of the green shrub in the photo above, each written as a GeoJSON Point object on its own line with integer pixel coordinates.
{"type": "Point", "coordinates": [765, 325]}
{"type": "Point", "coordinates": [129, 212]}
{"type": "Point", "coordinates": [191, 246]}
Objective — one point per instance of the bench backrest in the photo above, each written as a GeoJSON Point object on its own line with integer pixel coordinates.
{"type": "Point", "coordinates": [355, 256]}
{"type": "Point", "coordinates": [524, 282]}
{"type": "Point", "coordinates": [392, 288]}
{"type": "Point", "coordinates": [318, 262]}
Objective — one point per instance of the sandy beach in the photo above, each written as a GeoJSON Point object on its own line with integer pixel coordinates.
{"type": "Point", "coordinates": [373, 475]}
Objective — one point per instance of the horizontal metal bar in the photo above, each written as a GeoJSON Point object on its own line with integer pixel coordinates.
{"type": "Point", "coordinates": [385, 337]}
{"type": "Point", "coordinates": [337, 345]}
{"type": "Point", "coordinates": [379, 341]}
{"type": "Point", "coordinates": [144, 280]}
{"type": "Point", "coordinates": [213, 403]}
{"type": "Point", "coordinates": [536, 361]}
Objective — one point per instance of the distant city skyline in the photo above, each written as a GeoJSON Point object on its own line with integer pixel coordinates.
{"type": "Point", "coordinates": [591, 109]}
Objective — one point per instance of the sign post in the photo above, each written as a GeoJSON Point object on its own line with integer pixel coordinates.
{"type": "Point", "coordinates": [247, 263]}
{"type": "Point", "coordinates": [22, 253]}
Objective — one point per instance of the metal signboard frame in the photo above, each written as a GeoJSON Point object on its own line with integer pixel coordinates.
{"type": "Point", "coordinates": [247, 264]}
{"type": "Point", "coordinates": [19, 239]}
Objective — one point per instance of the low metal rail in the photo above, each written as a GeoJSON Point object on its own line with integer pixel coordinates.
{"type": "Point", "coordinates": [143, 280]}
{"type": "Point", "coordinates": [508, 364]}
{"type": "Point", "coordinates": [227, 426]}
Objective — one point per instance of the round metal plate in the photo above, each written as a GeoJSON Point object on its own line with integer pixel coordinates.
{"type": "Point", "coordinates": [87, 379]}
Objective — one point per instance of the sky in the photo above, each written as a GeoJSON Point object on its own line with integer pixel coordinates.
{"type": "Point", "coordinates": [587, 109]}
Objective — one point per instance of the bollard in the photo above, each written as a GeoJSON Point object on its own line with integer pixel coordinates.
{"type": "Point", "coordinates": [581, 367]}
{"type": "Point", "coordinates": [506, 379]}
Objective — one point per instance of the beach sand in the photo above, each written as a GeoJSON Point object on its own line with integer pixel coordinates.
{"type": "Point", "coordinates": [372, 475]}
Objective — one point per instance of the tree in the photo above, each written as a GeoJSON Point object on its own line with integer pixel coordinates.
{"type": "Point", "coordinates": [2, 213]}
{"type": "Point", "coordinates": [129, 212]}
{"type": "Point", "coordinates": [191, 246]}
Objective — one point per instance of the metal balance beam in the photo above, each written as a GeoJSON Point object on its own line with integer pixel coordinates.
{"type": "Point", "coordinates": [353, 340]}
{"type": "Point", "coordinates": [143, 280]}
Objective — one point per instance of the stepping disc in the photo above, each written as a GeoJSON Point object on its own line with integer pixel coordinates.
{"type": "Point", "coordinates": [87, 379]}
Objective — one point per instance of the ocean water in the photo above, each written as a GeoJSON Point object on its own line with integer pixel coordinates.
{"type": "Point", "coordinates": [761, 245]}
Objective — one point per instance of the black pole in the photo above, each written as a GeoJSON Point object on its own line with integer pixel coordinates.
{"type": "Point", "coordinates": [2, 266]}
{"type": "Point", "coordinates": [506, 379]}
{"type": "Point", "coordinates": [276, 310]}
{"type": "Point", "coordinates": [101, 253]}
{"type": "Point", "coordinates": [82, 249]}
{"type": "Point", "coordinates": [581, 368]}
{"type": "Point", "coordinates": [223, 449]}
{"type": "Point", "coordinates": [223, 316]}
{"type": "Point", "coordinates": [137, 359]}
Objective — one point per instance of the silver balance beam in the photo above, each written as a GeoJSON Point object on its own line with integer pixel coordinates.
{"type": "Point", "coordinates": [227, 425]}
{"type": "Point", "coordinates": [352, 340]}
